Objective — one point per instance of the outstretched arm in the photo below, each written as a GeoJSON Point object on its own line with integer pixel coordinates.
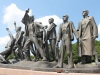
{"type": "Point", "coordinates": [38, 24]}
{"type": "Point", "coordinates": [10, 34]}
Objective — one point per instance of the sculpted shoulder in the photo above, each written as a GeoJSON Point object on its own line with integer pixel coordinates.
{"type": "Point", "coordinates": [61, 24]}
{"type": "Point", "coordinates": [81, 20]}
{"type": "Point", "coordinates": [53, 24]}
{"type": "Point", "coordinates": [91, 17]}
{"type": "Point", "coordinates": [70, 22]}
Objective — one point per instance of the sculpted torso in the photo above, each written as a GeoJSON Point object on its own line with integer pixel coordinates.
{"type": "Point", "coordinates": [31, 29]}
{"type": "Point", "coordinates": [65, 29]}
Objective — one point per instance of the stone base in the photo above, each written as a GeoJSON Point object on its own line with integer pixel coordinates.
{"type": "Point", "coordinates": [48, 67]}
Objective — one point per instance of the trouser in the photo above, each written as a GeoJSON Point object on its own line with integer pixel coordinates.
{"type": "Point", "coordinates": [65, 45]}
{"type": "Point", "coordinates": [7, 52]}
{"type": "Point", "coordinates": [47, 51]}
{"type": "Point", "coordinates": [34, 40]}
{"type": "Point", "coordinates": [84, 58]}
{"type": "Point", "coordinates": [53, 48]}
{"type": "Point", "coordinates": [32, 50]}
{"type": "Point", "coordinates": [20, 52]}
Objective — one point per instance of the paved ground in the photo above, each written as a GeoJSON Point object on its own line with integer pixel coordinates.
{"type": "Point", "coordinates": [7, 71]}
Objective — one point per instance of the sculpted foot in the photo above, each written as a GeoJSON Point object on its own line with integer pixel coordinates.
{"type": "Point", "coordinates": [57, 66]}
{"type": "Point", "coordinates": [44, 59]}
{"type": "Point", "coordinates": [69, 67]}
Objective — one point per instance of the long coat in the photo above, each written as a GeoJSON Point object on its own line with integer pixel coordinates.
{"type": "Point", "coordinates": [87, 30]}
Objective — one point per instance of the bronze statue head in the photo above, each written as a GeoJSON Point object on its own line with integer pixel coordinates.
{"type": "Point", "coordinates": [85, 12]}
{"type": "Point", "coordinates": [65, 17]}
{"type": "Point", "coordinates": [51, 20]}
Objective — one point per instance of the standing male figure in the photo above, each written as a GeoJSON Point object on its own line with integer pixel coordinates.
{"type": "Point", "coordinates": [51, 36]}
{"type": "Point", "coordinates": [88, 32]}
{"type": "Point", "coordinates": [33, 37]}
{"type": "Point", "coordinates": [66, 31]}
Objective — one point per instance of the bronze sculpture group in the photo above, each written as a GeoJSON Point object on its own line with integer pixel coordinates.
{"type": "Point", "coordinates": [35, 39]}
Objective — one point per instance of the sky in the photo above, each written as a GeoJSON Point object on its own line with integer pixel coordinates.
{"type": "Point", "coordinates": [13, 10]}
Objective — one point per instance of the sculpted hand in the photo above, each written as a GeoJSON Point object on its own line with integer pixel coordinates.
{"type": "Point", "coordinates": [93, 37]}
{"type": "Point", "coordinates": [14, 23]}
{"type": "Point", "coordinates": [56, 44]}
{"type": "Point", "coordinates": [7, 29]}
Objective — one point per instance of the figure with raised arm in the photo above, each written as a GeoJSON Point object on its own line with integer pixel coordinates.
{"type": "Point", "coordinates": [18, 40]}
{"type": "Point", "coordinates": [25, 21]}
{"type": "Point", "coordinates": [8, 49]}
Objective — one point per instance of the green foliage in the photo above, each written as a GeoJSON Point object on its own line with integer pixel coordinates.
{"type": "Point", "coordinates": [75, 52]}
{"type": "Point", "coordinates": [32, 57]}
{"type": "Point", "coordinates": [10, 57]}
{"type": "Point", "coordinates": [97, 47]}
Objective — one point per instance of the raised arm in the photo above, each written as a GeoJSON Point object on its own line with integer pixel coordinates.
{"type": "Point", "coordinates": [15, 25]}
{"type": "Point", "coordinates": [39, 24]}
{"type": "Point", "coordinates": [10, 34]}
{"type": "Point", "coordinates": [25, 19]}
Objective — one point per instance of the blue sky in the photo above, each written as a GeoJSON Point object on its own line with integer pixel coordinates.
{"type": "Point", "coordinates": [41, 9]}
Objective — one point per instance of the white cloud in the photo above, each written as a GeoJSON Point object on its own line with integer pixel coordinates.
{"type": "Point", "coordinates": [13, 13]}
{"type": "Point", "coordinates": [3, 42]}
{"type": "Point", "coordinates": [99, 28]}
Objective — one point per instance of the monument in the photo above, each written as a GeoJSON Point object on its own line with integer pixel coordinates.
{"type": "Point", "coordinates": [35, 40]}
